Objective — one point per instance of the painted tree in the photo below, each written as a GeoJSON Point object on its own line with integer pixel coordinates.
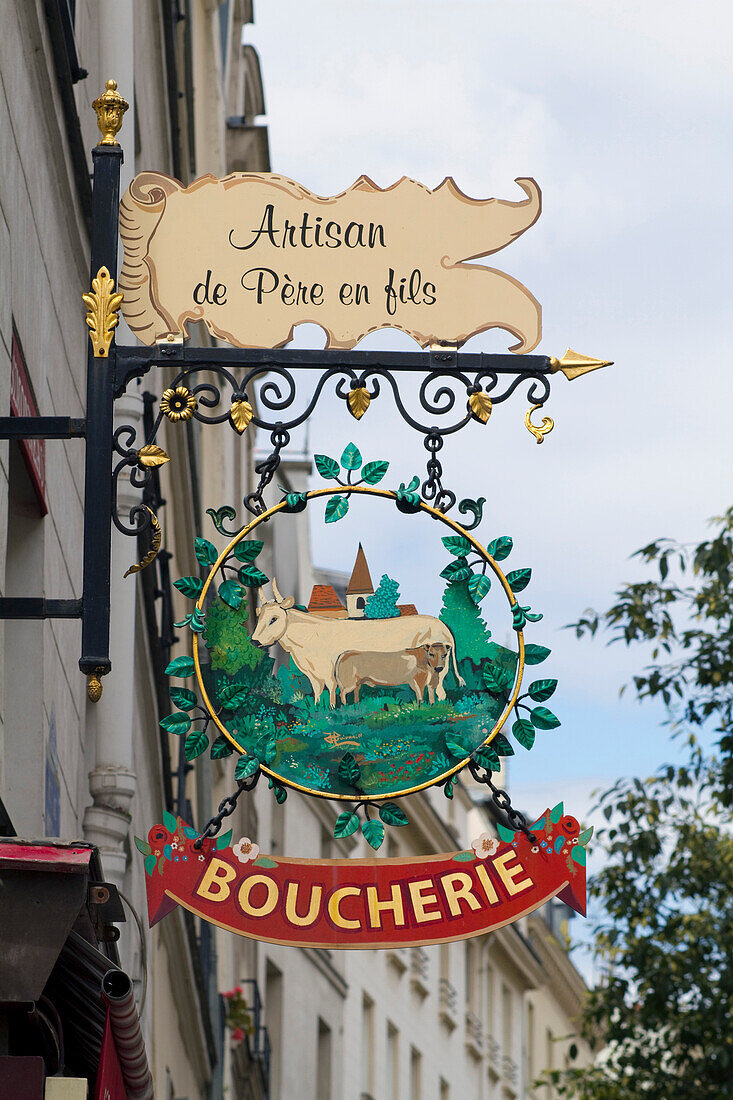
{"type": "Point", "coordinates": [462, 615]}
{"type": "Point", "coordinates": [227, 639]}
{"type": "Point", "coordinates": [383, 604]}
{"type": "Point", "coordinates": [664, 1010]}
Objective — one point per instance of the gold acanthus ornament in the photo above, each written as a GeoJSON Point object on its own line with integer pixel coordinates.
{"type": "Point", "coordinates": [110, 107]}
{"type": "Point", "coordinates": [102, 312]}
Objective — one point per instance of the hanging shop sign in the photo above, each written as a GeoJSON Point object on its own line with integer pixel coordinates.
{"type": "Point", "coordinates": [362, 903]}
{"type": "Point", "coordinates": [362, 699]}
{"type": "Point", "coordinates": [262, 254]}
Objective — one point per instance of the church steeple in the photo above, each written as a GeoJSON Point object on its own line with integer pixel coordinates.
{"type": "Point", "coordinates": [360, 586]}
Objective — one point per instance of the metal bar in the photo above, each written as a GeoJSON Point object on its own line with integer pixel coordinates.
{"type": "Point", "coordinates": [42, 427]}
{"type": "Point", "coordinates": [37, 607]}
{"type": "Point", "coordinates": [99, 410]}
{"type": "Point", "coordinates": [135, 362]}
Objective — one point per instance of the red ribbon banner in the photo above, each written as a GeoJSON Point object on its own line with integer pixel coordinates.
{"type": "Point", "coordinates": [364, 903]}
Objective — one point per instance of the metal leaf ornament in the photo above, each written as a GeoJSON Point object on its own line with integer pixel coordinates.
{"type": "Point", "coordinates": [241, 413]}
{"type": "Point", "coordinates": [150, 455]}
{"type": "Point", "coordinates": [359, 401]}
{"type": "Point", "coordinates": [480, 405]}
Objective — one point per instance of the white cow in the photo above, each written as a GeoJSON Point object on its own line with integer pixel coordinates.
{"type": "Point", "coordinates": [316, 643]}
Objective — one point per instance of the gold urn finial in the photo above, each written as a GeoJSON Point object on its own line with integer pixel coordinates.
{"type": "Point", "coordinates": [110, 107]}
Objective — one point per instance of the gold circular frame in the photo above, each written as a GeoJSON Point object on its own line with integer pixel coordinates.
{"type": "Point", "coordinates": [388, 495]}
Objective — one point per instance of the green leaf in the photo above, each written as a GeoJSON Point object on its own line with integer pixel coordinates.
{"type": "Point", "coordinates": [336, 509]}
{"type": "Point", "coordinates": [457, 570]}
{"type": "Point", "coordinates": [295, 502]}
{"type": "Point", "coordinates": [246, 767]}
{"type": "Point", "coordinates": [221, 748]}
{"type": "Point", "coordinates": [196, 743]}
{"type": "Point", "coordinates": [535, 654]}
{"type": "Point", "coordinates": [456, 749]}
{"type": "Point", "coordinates": [223, 840]}
{"type": "Point", "coordinates": [373, 832]}
{"type": "Point", "coordinates": [183, 698]}
{"type": "Point", "coordinates": [177, 723]}
{"type": "Point", "coordinates": [327, 467]}
{"type": "Point", "coordinates": [170, 822]}
{"type": "Point", "coordinates": [500, 548]}
{"type": "Point", "coordinates": [448, 788]}
{"type": "Point", "coordinates": [206, 552]}
{"type": "Point", "coordinates": [544, 719]}
{"type": "Point", "coordinates": [248, 551]}
{"type": "Point", "coordinates": [346, 824]}
{"type": "Point", "coordinates": [523, 730]}
{"type": "Point", "coordinates": [518, 579]}
{"type": "Point", "coordinates": [189, 586]}
{"type": "Point", "coordinates": [198, 622]}
{"type": "Point", "coordinates": [270, 752]}
{"type": "Point", "coordinates": [392, 814]}
{"type": "Point", "coordinates": [150, 864]}
{"type": "Point", "coordinates": [478, 586]}
{"type": "Point", "coordinates": [457, 544]}
{"type": "Point", "coordinates": [231, 593]}
{"type": "Point", "coordinates": [497, 678]}
{"type": "Point", "coordinates": [487, 758]}
{"type": "Point", "coordinates": [502, 745]}
{"type": "Point", "coordinates": [464, 857]}
{"type": "Point", "coordinates": [540, 690]}
{"type": "Point", "coordinates": [264, 861]}
{"type": "Point", "coordinates": [351, 458]}
{"type": "Point", "coordinates": [182, 667]}
{"type": "Point", "coordinates": [142, 846]}
{"type": "Point", "coordinates": [373, 472]}
{"type": "Point", "coordinates": [348, 770]}
{"type": "Point", "coordinates": [251, 576]}
{"type": "Point", "coordinates": [233, 696]}
{"type": "Point", "coordinates": [280, 793]}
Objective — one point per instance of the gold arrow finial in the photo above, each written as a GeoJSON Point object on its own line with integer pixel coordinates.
{"type": "Point", "coordinates": [110, 107]}
{"type": "Point", "coordinates": [573, 364]}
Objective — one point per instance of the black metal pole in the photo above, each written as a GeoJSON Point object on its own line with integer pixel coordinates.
{"type": "Point", "coordinates": [99, 418]}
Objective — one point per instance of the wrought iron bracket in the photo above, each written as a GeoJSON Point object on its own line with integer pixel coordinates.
{"type": "Point", "coordinates": [42, 427]}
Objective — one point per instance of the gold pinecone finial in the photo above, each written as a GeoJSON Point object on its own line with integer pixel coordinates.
{"type": "Point", "coordinates": [110, 107]}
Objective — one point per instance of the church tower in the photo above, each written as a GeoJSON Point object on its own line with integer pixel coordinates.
{"type": "Point", "coordinates": [360, 587]}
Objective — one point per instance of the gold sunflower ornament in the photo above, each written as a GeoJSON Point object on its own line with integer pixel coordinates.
{"type": "Point", "coordinates": [178, 404]}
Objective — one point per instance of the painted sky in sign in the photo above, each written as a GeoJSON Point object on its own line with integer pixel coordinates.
{"type": "Point", "coordinates": [622, 114]}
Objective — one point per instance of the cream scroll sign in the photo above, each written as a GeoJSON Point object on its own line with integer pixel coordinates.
{"type": "Point", "coordinates": [254, 255]}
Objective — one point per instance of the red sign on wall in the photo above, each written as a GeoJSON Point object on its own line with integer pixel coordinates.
{"type": "Point", "coordinates": [22, 403]}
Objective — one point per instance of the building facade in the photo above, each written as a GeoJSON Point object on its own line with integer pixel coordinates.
{"type": "Point", "coordinates": [478, 1019]}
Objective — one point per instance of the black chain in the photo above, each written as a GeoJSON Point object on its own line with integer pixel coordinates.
{"type": "Point", "coordinates": [432, 488]}
{"type": "Point", "coordinates": [266, 468]}
{"type": "Point", "coordinates": [226, 807]}
{"type": "Point", "coordinates": [506, 813]}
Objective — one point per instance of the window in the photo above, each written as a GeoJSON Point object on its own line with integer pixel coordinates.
{"type": "Point", "coordinates": [274, 1022]}
{"type": "Point", "coordinates": [506, 1015]}
{"type": "Point", "coordinates": [367, 1045]}
{"type": "Point", "coordinates": [323, 1062]}
{"type": "Point", "coordinates": [415, 1074]}
{"type": "Point", "coordinates": [392, 1066]}
{"type": "Point", "coordinates": [360, 603]}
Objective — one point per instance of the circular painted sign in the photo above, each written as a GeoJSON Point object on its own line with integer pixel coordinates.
{"type": "Point", "coordinates": [359, 696]}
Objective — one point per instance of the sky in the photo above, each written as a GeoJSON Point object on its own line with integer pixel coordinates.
{"type": "Point", "coordinates": [621, 112]}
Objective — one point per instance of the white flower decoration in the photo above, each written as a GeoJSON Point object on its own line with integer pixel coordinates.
{"type": "Point", "coordinates": [485, 845]}
{"type": "Point", "coordinates": [246, 850]}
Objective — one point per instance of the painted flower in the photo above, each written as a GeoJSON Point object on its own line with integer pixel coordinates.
{"type": "Point", "coordinates": [174, 845]}
{"type": "Point", "coordinates": [245, 850]}
{"type": "Point", "coordinates": [201, 858]}
{"type": "Point", "coordinates": [178, 404]}
{"type": "Point", "coordinates": [484, 845]}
